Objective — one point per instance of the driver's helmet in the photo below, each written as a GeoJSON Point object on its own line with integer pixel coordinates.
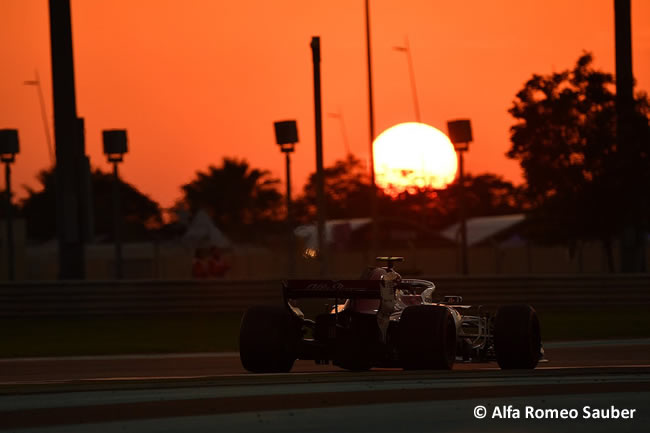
{"type": "Point", "coordinates": [372, 273]}
{"type": "Point", "coordinates": [368, 305]}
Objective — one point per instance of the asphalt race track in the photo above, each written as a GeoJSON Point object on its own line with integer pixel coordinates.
{"type": "Point", "coordinates": [211, 392]}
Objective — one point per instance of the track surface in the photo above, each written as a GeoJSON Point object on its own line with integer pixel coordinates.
{"type": "Point", "coordinates": [135, 367]}
{"type": "Point", "coordinates": [204, 391]}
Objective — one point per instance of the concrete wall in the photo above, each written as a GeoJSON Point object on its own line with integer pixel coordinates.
{"type": "Point", "coordinates": [546, 292]}
{"type": "Point", "coordinates": [174, 261]}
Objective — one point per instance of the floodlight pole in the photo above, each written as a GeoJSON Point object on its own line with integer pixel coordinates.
{"type": "Point", "coordinates": [286, 136]}
{"type": "Point", "coordinates": [460, 134]}
{"type": "Point", "coordinates": [9, 147]}
{"type": "Point", "coordinates": [117, 222]}
{"type": "Point", "coordinates": [290, 243]}
{"type": "Point", "coordinates": [115, 146]}
{"type": "Point", "coordinates": [10, 230]}
{"type": "Point", "coordinates": [462, 214]}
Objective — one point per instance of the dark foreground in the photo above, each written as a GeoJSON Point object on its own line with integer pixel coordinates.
{"type": "Point", "coordinates": [209, 391]}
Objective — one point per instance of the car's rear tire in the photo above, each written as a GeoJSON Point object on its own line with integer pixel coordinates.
{"type": "Point", "coordinates": [517, 337]}
{"type": "Point", "coordinates": [427, 338]}
{"type": "Point", "coordinates": [269, 337]}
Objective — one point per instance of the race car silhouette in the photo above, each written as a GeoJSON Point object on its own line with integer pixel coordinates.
{"type": "Point", "coordinates": [384, 320]}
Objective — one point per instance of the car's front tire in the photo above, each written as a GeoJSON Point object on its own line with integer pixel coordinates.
{"type": "Point", "coordinates": [517, 337]}
{"type": "Point", "coordinates": [269, 337]}
{"type": "Point", "coordinates": [427, 338]}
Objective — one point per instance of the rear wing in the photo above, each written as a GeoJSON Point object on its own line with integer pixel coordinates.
{"type": "Point", "coordinates": [341, 289]}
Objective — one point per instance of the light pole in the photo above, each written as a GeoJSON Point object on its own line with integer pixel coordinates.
{"type": "Point", "coordinates": [72, 220]}
{"type": "Point", "coordinates": [460, 134]}
{"type": "Point", "coordinates": [339, 115]}
{"type": "Point", "coordinates": [371, 119]}
{"type": "Point", "coordinates": [320, 173]}
{"type": "Point", "coordinates": [115, 146]}
{"type": "Point", "coordinates": [37, 82]}
{"type": "Point", "coordinates": [633, 238]}
{"type": "Point", "coordinates": [286, 136]}
{"type": "Point", "coordinates": [407, 49]}
{"type": "Point", "coordinates": [8, 149]}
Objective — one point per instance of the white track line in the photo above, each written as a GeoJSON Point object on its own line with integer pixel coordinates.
{"type": "Point", "coordinates": [125, 357]}
{"type": "Point", "coordinates": [104, 397]}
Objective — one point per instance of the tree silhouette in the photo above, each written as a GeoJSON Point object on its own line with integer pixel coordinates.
{"type": "Point", "coordinates": [241, 201]}
{"type": "Point", "coordinates": [579, 180]}
{"type": "Point", "coordinates": [347, 191]}
{"type": "Point", "coordinates": [347, 188]}
{"type": "Point", "coordinates": [140, 214]}
{"type": "Point", "coordinates": [486, 194]}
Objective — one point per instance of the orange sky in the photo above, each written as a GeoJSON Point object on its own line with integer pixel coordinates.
{"type": "Point", "coordinates": [197, 80]}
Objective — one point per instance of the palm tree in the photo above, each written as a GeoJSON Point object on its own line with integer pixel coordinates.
{"type": "Point", "coordinates": [241, 200]}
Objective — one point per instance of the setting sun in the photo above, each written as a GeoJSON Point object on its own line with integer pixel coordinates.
{"type": "Point", "coordinates": [413, 155]}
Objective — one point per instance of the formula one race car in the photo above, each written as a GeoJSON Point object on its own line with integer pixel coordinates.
{"type": "Point", "coordinates": [384, 320]}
